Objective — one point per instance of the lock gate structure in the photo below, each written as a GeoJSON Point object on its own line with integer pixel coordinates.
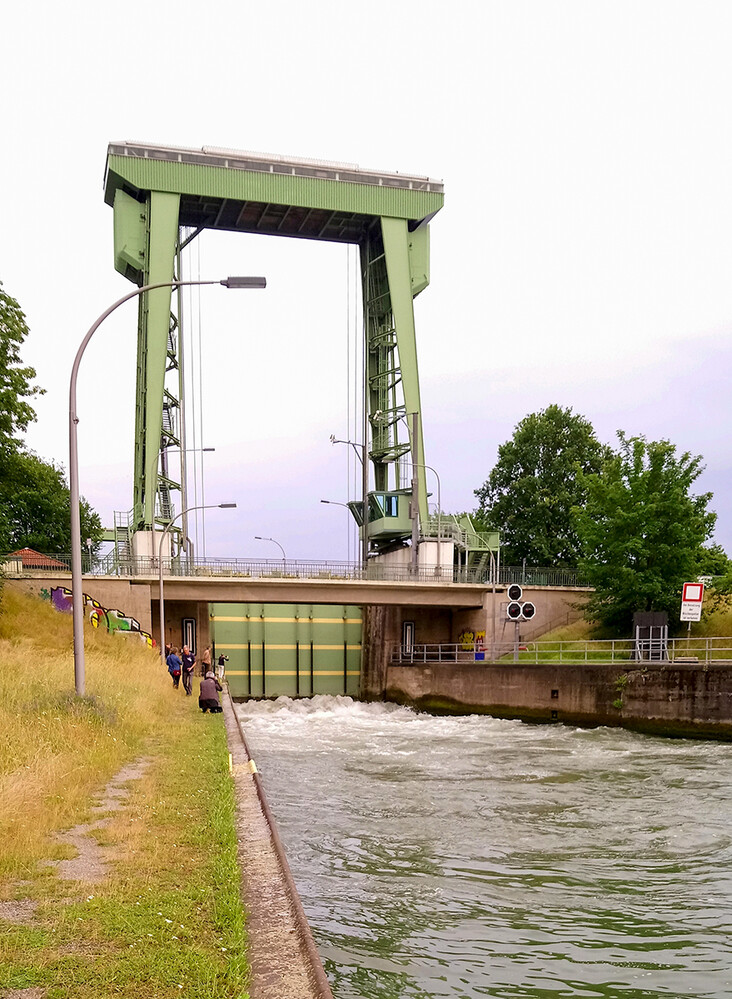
{"type": "Point", "coordinates": [159, 192]}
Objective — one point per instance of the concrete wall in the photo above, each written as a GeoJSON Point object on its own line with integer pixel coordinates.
{"type": "Point", "coordinates": [668, 700]}
{"type": "Point", "coordinates": [175, 612]}
{"type": "Point", "coordinates": [125, 595]}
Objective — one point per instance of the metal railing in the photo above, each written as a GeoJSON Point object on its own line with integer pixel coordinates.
{"type": "Point", "coordinates": [527, 576]}
{"type": "Point", "coordinates": [113, 564]}
{"type": "Point", "coordinates": [680, 651]}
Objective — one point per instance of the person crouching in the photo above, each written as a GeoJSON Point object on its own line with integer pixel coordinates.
{"type": "Point", "coordinates": [208, 699]}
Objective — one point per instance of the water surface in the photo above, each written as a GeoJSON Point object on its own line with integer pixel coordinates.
{"type": "Point", "coordinates": [469, 857]}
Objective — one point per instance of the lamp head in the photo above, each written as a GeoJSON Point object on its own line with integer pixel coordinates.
{"type": "Point", "coordinates": [244, 282]}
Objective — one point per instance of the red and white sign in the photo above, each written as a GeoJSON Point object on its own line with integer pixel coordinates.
{"type": "Point", "coordinates": [691, 601]}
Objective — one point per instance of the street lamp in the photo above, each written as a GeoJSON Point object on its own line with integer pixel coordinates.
{"type": "Point", "coordinates": [76, 581]}
{"type": "Point", "coordinates": [336, 503]}
{"type": "Point", "coordinates": [187, 543]}
{"type": "Point", "coordinates": [360, 450]}
{"type": "Point", "coordinates": [284, 557]}
{"type": "Point", "coordinates": [210, 506]}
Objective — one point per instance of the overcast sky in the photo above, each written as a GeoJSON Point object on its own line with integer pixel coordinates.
{"type": "Point", "coordinates": [583, 255]}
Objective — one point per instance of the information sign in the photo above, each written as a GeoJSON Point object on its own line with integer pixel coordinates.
{"type": "Point", "coordinates": [691, 601]}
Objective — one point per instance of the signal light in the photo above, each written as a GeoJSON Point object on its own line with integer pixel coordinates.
{"type": "Point", "coordinates": [514, 592]}
{"type": "Point", "coordinates": [513, 611]}
{"type": "Point", "coordinates": [528, 610]}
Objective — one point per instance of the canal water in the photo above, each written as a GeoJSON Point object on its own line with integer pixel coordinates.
{"type": "Point", "coordinates": [469, 857]}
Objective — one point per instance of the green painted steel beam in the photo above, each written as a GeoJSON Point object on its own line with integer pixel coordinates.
{"type": "Point", "coordinates": [396, 251]}
{"type": "Point", "coordinates": [153, 324]}
{"type": "Point", "coordinates": [140, 169]}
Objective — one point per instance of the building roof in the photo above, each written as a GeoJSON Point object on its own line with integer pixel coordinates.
{"type": "Point", "coordinates": [35, 560]}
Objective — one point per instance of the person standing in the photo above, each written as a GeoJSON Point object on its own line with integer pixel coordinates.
{"type": "Point", "coordinates": [221, 666]}
{"type": "Point", "coordinates": [206, 660]}
{"type": "Point", "coordinates": [174, 667]}
{"type": "Point", "coordinates": [188, 663]}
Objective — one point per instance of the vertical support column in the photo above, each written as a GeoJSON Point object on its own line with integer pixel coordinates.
{"type": "Point", "coordinates": [153, 326]}
{"type": "Point", "coordinates": [396, 251]}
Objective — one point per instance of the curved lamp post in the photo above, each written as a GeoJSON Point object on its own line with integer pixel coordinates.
{"type": "Point", "coordinates": [208, 506]}
{"type": "Point", "coordinates": [360, 450]}
{"type": "Point", "coordinates": [76, 576]}
{"type": "Point", "coordinates": [439, 515]}
{"type": "Point", "coordinates": [284, 557]}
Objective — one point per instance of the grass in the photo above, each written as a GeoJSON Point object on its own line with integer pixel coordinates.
{"type": "Point", "coordinates": [167, 919]}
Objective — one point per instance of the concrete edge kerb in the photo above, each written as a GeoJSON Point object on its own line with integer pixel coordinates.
{"type": "Point", "coordinates": [313, 965]}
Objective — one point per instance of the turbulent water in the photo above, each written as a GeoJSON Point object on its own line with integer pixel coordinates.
{"type": "Point", "coordinates": [470, 857]}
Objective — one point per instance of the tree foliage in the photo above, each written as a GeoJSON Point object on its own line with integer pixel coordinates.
{"type": "Point", "coordinates": [531, 492]}
{"type": "Point", "coordinates": [35, 506]}
{"type": "Point", "coordinates": [713, 561]}
{"type": "Point", "coordinates": [34, 498]}
{"type": "Point", "coordinates": [15, 380]}
{"type": "Point", "coordinates": [642, 530]}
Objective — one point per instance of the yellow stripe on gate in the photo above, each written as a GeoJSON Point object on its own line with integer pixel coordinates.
{"type": "Point", "coordinates": [291, 620]}
{"type": "Point", "coordinates": [304, 646]}
{"type": "Point", "coordinates": [284, 672]}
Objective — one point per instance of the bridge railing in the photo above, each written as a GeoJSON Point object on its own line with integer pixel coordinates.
{"type": "Point", "coordinates": [111, 565]}
{"type": "Point", "coordinates": [679, 651]}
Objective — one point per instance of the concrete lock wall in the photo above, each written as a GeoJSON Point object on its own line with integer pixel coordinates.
{"type": "Point", "coordinates": [666, 699]}
{"type": "Point", "coordinates": [130, 599]}
{"type": "Point", "coordinates": [288, 649]}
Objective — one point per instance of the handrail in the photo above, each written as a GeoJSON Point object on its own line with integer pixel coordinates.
{"type": "Point", "coordinates": [681, 651]}
{"type": "Point", "coordinates": [113, 565]}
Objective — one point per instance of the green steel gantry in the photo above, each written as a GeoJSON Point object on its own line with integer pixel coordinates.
{"type": "Point", "coordinates": [158, 191]}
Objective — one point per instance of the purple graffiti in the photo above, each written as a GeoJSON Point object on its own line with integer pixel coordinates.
{"type": "Point", "coordinates": [114, 621]}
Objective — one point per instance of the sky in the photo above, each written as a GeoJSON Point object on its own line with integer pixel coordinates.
{"type": "Point", "coordinates": [583, 255]}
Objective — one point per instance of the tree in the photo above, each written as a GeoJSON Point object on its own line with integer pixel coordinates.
{"type": "Point", "coordinates": [15, 381]}
{"type": "Point", "coordinates": [713, 561]}
{"type": "Point", "coordinates": [531, 491]}
{"type": "Point", "coordinates": [642, 530]}
{"type": "Point", "coordinates": [35, 506]}
{"type": "Point", "coordinates": [34, 498]}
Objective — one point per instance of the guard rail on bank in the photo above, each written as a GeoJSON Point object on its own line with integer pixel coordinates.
{"type": "Point", "coordinates": [679, 651]}
{"type": "Point", "coordinates": [108, 565]}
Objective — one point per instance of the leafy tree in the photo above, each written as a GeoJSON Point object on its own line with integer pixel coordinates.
{"type": "Point", "coordinates": [15, 381]}
{"type": "Point", "coordinates": [35, 506]}
{"type": "Point", "coordinates": [713, 561]}
{"type": "Point", "coordinates": [642, 530]}
{"type": "Point", "coordinates": [531, 491]}
{"type": "Point", "coordinates": [34, 498]}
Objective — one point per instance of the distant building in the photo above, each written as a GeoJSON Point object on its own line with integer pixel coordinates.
{"type": "Point", "coordinates": [34, 560]}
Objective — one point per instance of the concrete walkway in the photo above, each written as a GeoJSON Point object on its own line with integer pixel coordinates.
{"type": "Point", "coordinates": [281, 960]}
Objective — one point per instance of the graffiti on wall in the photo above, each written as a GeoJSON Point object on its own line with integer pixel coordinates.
{"type": "Point", "coordinates": [105, 617]}
{"type": "Point", "coordinates": [468, 640]}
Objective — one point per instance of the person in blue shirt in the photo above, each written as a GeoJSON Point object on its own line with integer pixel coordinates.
{"type": "Point", "coordinates": [174, 666]}
{"type": "Point", "coordinates": [188, 663]}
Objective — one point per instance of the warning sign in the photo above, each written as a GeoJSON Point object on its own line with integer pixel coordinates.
{"type": "Point", "coordinates": [691, 601]}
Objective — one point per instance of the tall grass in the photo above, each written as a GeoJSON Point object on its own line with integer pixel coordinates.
{"type": "Point", "coordinates": [56, 748]}
{"type": "Point", "coordinates": [167, 919]}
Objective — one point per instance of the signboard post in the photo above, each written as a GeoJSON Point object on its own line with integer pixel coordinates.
{"type": "Point", "coordinates": [691, 602]}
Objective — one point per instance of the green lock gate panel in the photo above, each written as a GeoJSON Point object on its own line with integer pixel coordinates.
{"type": "Point", "coordinates": [292, 650]}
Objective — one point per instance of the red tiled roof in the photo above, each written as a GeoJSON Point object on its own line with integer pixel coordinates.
{"type": "Point", "coordinates": [34, 560]}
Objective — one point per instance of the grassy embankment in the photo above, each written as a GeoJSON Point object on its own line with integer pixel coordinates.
{"type": "Point", "coordinates": [167, 919]}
